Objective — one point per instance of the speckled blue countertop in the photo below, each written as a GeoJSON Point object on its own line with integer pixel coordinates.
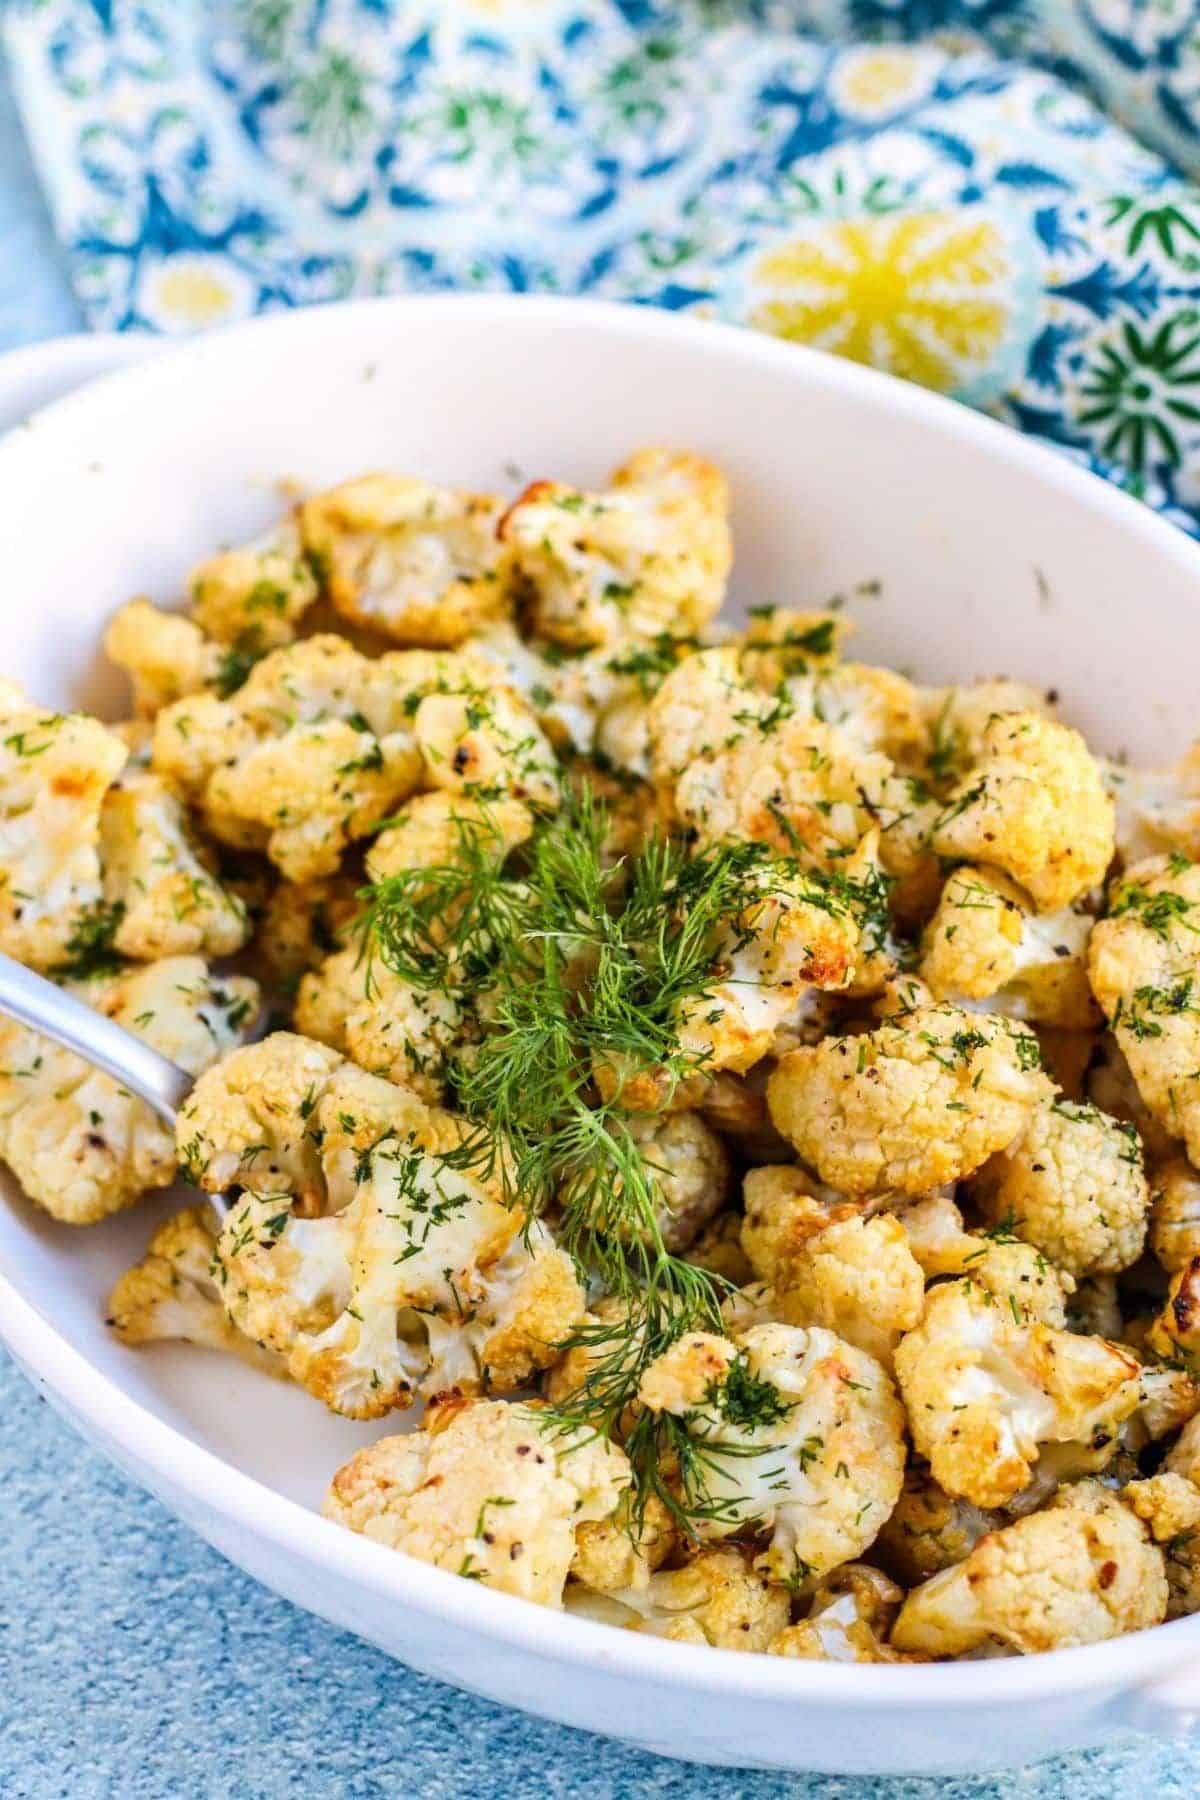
{"type": "Point", "coordinates": [136, 1665]}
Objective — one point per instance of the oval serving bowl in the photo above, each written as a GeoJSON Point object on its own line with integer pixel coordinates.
{"type": "Point", "coordinates": [961, 550]}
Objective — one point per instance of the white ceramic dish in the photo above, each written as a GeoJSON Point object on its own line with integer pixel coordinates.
{"type": "Point", "coordinates": [994, 556]}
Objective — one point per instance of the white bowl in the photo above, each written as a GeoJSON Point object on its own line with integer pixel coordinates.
{"type": "Point", "coordinates": [994, 556]}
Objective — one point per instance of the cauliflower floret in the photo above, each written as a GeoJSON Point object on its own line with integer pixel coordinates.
{"type": "Point", "coordinates": [249, 1121]}
{"type": "Point", "coordinates": [936, 1234]}
{"type": "Point", "coordinates": [651, 554]}
{"type": "Point", "coordinates": [313, 791]}
{"type": "Point", "coordinates": [957, 719]}
{"type": "Point", "coordinates": [312, 751]}
{"type": "Point", "coordinates": [691, 1171]}
{"type": "Point", "coordinates": [1073, 1185]}
{"type": "Point", "coordinates": [172, 1295]}
{"type": "Point", "coordinates": [923, 1100]}
{"type": "Point", "coordinates": [1175, 1214]}
{"type": "Point", "coordinates": [829, 1264]}
{"type": "Point", "coordinates": [54, 771]}
{"type": "Point", "coordinates": [1175, 1333]}
{"type": "Point", "coordinates": [388, 1025]}
{"type": "Point", "coordinates": [795, 939]}
{"type": "Point", "coordinates": [303, 923]}
{"type": "Point", "coordinates": [849, 1620]}
{"type": "Point", "coordinates": [423, 1281]}
{"type": "Point", "coordinates": [803, 787]}
{"type": "Point", "coordinates": [985, 1385]}
{"type": "Point", "coordinates": [813, 1437]}
{"type": "Point", "coordinates": [165, 656]}
{"type": "Point", "coordinates": [1036, 808]}
{"type": "Point", "coordinates": [161, 885]}
{"type": "Point", "coordinates": [705, 705]}
{"type": "Point", "coordinates": [1144, 961]}
{"type": "Point", "coordinates": [443, 829]}
{"type": "Point", "coordinates": [1109, 1084]}
{"type": "Point", "coordinates": [1158, 810]}
{"type": "Point", "coordinates": [736, 1108]}
{"type": "Point", "coordinates": [256, 595]}
{"type": "Point", "coordinates": [78, 1142]}
{"type": "Point", "coordinates": [929, 1530]}
{"type": "Point", "coordinates": [1080, 1571]}
{"type": "Point", "coordinates": [985, 942]}
{"type": "Point", "coordinates": [417, 562]}
{"type": "Point", "coordinates": [487, 743]}
{"type": "Point", "coordinates": [716, 1598]}
{"type": "Point", "coordinates": [784, 1208]}
{"type": "Point", "coordinates": [857, 1278]}
{"type": "Point", "coordinates": [624, 1550]}
{"type": "Point", "coordinates": [484, 1489]}
{"type": "Point", "coordinates": [719, 1250]}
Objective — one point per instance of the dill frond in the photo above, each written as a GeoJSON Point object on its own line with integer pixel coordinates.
{"type": "Point", "coordinates": [574, 962]}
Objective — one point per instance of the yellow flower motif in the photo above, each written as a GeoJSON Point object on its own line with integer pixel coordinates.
{"type": "Point", "coordinates": [193, 290]}
{"type": "Point", "coordinates": [925, 296]}
{"type": "Point", "coordinates": [870, 84]}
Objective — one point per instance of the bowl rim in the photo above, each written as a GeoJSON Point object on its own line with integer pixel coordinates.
{"type": "Point", "coordinates": [180, 1464]}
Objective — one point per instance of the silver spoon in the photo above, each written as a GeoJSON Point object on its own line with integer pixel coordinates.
{"type": "Point", "coordinates": [39, 1004]}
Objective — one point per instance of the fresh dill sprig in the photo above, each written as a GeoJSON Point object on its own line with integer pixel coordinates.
{"type": "Point", "coordinates": [580, 968]}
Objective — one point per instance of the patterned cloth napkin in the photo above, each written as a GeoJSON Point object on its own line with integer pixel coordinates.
{"type": "Point", "coordinates": [986, 196]}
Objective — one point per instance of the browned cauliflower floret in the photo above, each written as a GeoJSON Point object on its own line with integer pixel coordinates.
{"type": "Point", "coordinates": [650, 554]}
{"type": "Point", "coordinates": [1034, 807]}
{"type": "Point", "coordinates": [986, 942]}
{"type": "Point", "coordinates": [314, 749]}
{"type": "Point", "coordinates": [55, 769]}
{"type": "Point", "coordinates": [1109, 1084]}
{"type": "Point", "coordinates": [929, 1530]}
{"type": "Point", "coordinates": [1175, 1333]}
{"type": "Point", "coordinates": [388, 1025]}
{"type": "Point", "coordinates": [957, 719]}
{"type": "Point", "coordinates": [923, 1100]}
{"type": "Point", "coordinates": [793, 939]}
{"type": "Point", "coordinates": [803, 787]}
{"type": "Point", "coordinates": [485, 1489]}
{"type": "Point", "coordinates": [172, 1295]}
{"type": "Point", "coordinates": [801, 1435]}
{"type": "Point", "coordinates": [161, 884]}
{"type": "Point", "coordinates": [691, 1171]}
{"type": "Point", "coordinates": [1158, 810]}
{"type": "Point", "coordinates": [303, 923]}
{"type": "Point", "coordinates": [422, 1280]}
{"type": "Point", "coordinates": [706, 704]}
{"type": "Point", "coordinates": [416, 562]}
{"type": "Point", "coordinates": [486, 742]}
{"type": "Point", "coordinates": [249, 1122]}
{"type": "Point", "coordinates": [829, 1265]}
{"type": "Point", "coordinates": [1175, 1214]}
{"type": "Point", "coordinates": [1144, 961]}
{"type": "Point", "coordinates": [849, 1620]}
{"type": "Point", "coordinates": [736, 1108]}
{"type": "Point", "coordinates": [719, 1249]}
{"type": "Point", "coordinates": [165, 656]}
{"type": "Point", "coordinates": [313, 791]}
{"type": "Point", "coordinates": [624, 1550]}
{"type": "Point", "coordinates": [1082, 1570]}
{"type": "Point", "coordinates": [78, 1142]}
{"type": "Point", "coordinates": [986, 1384]}
{"type": "Point", "coordinates": [445, 829]}
{"type": "Point", "coordinates": [1073, 1185]}
{"type": "Point", "coordinates": [256, 595]}
{"type": "Point", "coordinates": [937, 1236]}
{"type": "Point", "coordinates": [718, 1598]}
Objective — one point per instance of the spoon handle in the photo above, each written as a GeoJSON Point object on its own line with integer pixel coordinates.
{"type": "Point", "coordinates": [42, 1006]}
